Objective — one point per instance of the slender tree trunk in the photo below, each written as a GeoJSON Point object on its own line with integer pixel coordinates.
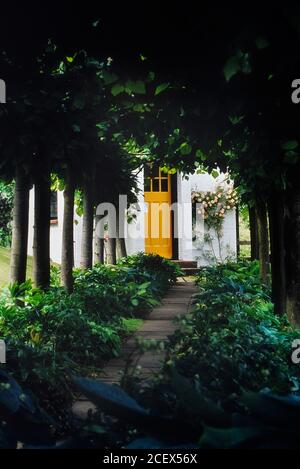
{"type": "Point", "coordinates": [98, 242]}
{"type": "Point", "coordinates": [121, 248]}
{"type": "Point", "coordinates": [263, 239]}
{"type": "Point", "coordinates": [18, 259]}
{"type": "Point", "coordinates": [276, 221]}
{"type": "Point", "coordinates": [120, 240]}
{"type": "Point", "coordinates": [253, 233]}
{"type": "Point", "coordinates": [87, 227]}
{"type": "Point", "coordinates": [111, 250]}
{"type": "Point", "coordinates": [99, 251]}
{"type": "Point", "coordinates": [293, 256]}
{"type": "Point", "coordinates": [41, 240]}
{"type": "Point", "coordinates": [67, 256]}
{"type": "Point", "coordinates": [237, 227]}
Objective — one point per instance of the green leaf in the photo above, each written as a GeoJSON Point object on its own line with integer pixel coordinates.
{"type": "Point", "coordinates": [231, 67]}
{"type": "Point", "coordinates": [236, 119]}
{"type": "Point", "coordinates": [70, 59]}
{"type": "Point", "coordinates": [109, 78]}
{"type": "Point", "coordinates": [134, 302]}
{"type": "Point", "coordinates": [149, 443]}
{"type": "Point", "coordinates": [274, 410]}
{"type": "Point", "coordinates": [117, 89]}
{"type": "Point", "coordinates": [233, 437]}
{"type": "Point", "coordinates": [160, 88]}
{"type": "Point", "coordinates": [185, 148]}
{"type": "Point", "coordinates": [198, 405]}
{"type": "Point", "coordinates": [135, 87]}
{"type": "Point", "coordinates": [291, 157]}
{"type": "Point", "coordinates": [76, 128]}
{"type": "Point", "coordinates": [139, 108]}
{"type": "Point", "coordinates": [115, 402]}
{"type": "Point", "coordinates": [215, 173]}
{"type": "Point", "coordinates": [200, 154]}
{"type": "Point", "coordinates": [289, 145]}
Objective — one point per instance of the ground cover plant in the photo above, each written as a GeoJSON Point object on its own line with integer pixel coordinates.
{"type": "Point", "coordinates": [49, 334]}
{"type": "Point", "coordinates": [232, 340]}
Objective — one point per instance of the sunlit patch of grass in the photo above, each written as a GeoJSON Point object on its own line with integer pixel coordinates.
{"type": "Point", "coordinates": [4, 266]}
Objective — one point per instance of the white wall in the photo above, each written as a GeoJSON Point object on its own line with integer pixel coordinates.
{"type": "Point", "coordinates": [55, 231]}
{"type": "Point", "coordinates": [187, 249]}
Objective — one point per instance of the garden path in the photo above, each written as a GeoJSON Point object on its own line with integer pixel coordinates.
{"type": "Point", "coordinates": [159, 324]}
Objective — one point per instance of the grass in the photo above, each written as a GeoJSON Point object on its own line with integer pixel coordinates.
{"type": "Point", "coordinates": [245, 250]}
{"type": "Point", "coordinates": [132, 324]}
{"type": "Point", "coordinates": [4, 266]}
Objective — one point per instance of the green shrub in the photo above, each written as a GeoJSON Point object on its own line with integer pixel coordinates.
{"type": "Point", "coordinates": [164, 271]}
{"type": "Point", "coordinates": [232, 340]}
{"type": "Point", "coordinates": [49, 333]}
{"type": "Point", "coordinates": [6, 207]}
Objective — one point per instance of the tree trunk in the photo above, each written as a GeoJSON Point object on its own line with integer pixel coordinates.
{"type": "Point", "coordinates": [253, 234]}
{"type": "Point", "coordinates": [41, 239]}
{"type": "Point", "coordinates": [99, 251]}
{"type": "Point", "coordinates": [98, 242]}
{"type": "Point", "coordinates": [120, 240]}
{"type": "Point", "coordinates": [293, 257]}
{"type": "Point", "coordinates": [87, 227]}
{"type": "Point", "coordinates": [276, 221]}
{"type": "Point", "coordinates": [18, 259]}
{"type": "Point", "coordinates": [237, 228]}
{"type": "Point", "coordinates": [263, 240]}
{"type": "Point", "coordinates": [67, 256]}
{"type": "Point", "coordinates": [111, 250]}
{"type": "Point", "coordinates": [121, 248]}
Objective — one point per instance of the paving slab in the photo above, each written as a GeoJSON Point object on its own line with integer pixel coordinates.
{"type": "Point", "coordinates": [159, 325]}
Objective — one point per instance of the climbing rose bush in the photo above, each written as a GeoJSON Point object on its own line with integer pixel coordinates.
{"type": "Point", "coordinates": [214, 205]}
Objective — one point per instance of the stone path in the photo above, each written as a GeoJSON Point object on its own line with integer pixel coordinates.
{"type": "Point", "coordinates": [158, 326]}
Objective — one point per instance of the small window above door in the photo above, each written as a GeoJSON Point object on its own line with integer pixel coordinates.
{"type": "Point", "coordinates": [155, 180]}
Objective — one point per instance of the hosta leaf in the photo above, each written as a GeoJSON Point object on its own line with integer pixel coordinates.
{"type": "Point", "coordinates": [117, 89]}
{"type": "Point", "coordinates": [197, 404]}
{"type": "Point", "coordinates": [160, 88]}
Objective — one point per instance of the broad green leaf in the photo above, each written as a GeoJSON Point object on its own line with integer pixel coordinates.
{"type": "Point", "coordinates": [231, 67]}
{"type": "Point", "coordinates": [291, 157]}
{"type": "Point", "coordinates": [289, 145]}
{"type": "Point", "coordinates": [160, 88]}
{"type": "Point", "coordinates": [197, 404]}
{"type": "Point", "coordinates": [274, 410]}
{"type": "Point", "coordinates": [236, 119]}
{"type": "Point", "coordinates": [109, 78]}
{"type": "Point", "coordinates": [215, 173]}
{"type": "Point", "coordinates": [117, 89]}
{"type": "Point", "coordinates": [135, 87]}
{"type": "Point", "coordinates": [200, 154]}
{"type": "Point", "coordinates": [185, 148]}
{"type": "Point", "coordinates": [70, 59]}
{"type": "Point", "coordinates": [76, 128]}
{"type": "Point", "coordinates": [139, 108]}
{"type": "Point", "coordinates": [232, 437]}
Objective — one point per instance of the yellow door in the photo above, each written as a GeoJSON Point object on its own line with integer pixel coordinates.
{"type": "Point", "coordinates": [158, 226]}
